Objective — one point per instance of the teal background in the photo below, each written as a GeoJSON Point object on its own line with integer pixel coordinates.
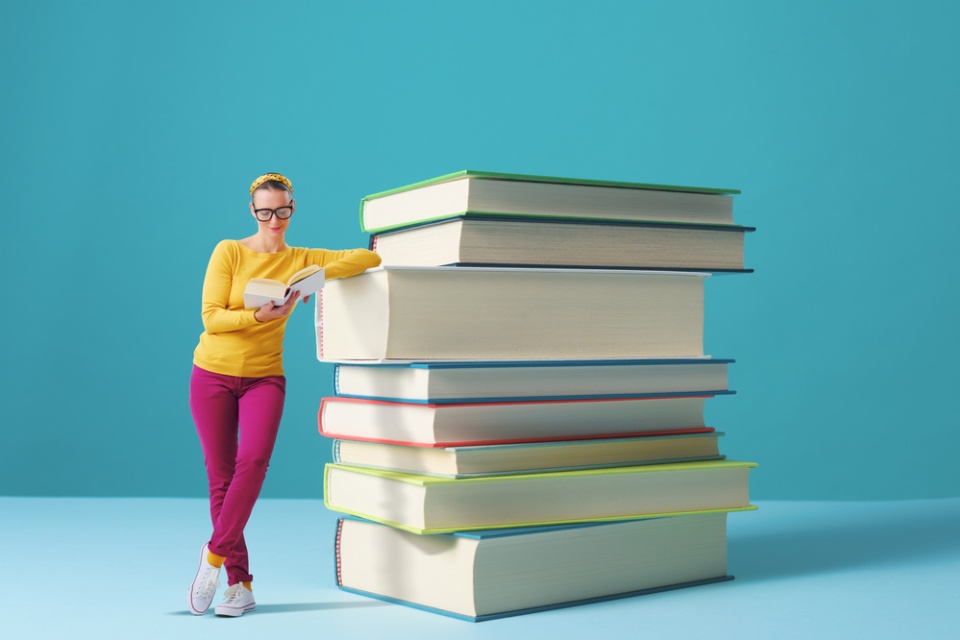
{"type": "Point", "coordinates": [131, 131]}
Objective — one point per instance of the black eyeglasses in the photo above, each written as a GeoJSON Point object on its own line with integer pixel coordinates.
{"type": "Point", "coordinates": [264, 215]}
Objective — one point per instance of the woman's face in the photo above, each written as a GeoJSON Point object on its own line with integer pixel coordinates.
{"type": "Point", "coordinates": [268, 199]}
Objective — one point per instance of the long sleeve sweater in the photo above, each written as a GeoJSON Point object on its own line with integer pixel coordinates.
{"type": "Point", "coordinates": [233, 342]}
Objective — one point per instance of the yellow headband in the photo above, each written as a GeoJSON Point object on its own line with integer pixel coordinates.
{"type": "Point", "coordinates": [276, 177]}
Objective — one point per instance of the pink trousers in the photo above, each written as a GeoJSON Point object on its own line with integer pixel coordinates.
{"type": "Point", "coordinates": [237, 420]}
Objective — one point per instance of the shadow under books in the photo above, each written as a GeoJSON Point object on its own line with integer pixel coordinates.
{"type": "Point", "coordinates": [822, 546]}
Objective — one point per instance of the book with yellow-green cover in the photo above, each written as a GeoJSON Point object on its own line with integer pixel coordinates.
{"type": "Point", "coordinates": [426, 504]}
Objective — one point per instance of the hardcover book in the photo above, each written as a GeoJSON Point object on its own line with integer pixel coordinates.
{"type": "Point", "coordinates": [426, 504]}
{"type": "Point", "coordinates": [484, 575]}
{"type": "Point", "coordinates": [504, 422]}
{"type": "Point", "coordinates": [453, 313]}
{"type": "Point", "coordinates": [476, 240]}
{"type": "Point", "coordinates": [510, 195]}
{"type": "Point", "coordinates": [467, 461]}
{"type": "Point", "coordinates": [440, 382]}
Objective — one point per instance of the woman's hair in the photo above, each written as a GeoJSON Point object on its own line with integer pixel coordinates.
{"type": "Point", "coordinates": [271, 182]}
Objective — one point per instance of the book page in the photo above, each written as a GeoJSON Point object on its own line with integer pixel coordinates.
{"type": "Point", "coordinates": [304, 273]}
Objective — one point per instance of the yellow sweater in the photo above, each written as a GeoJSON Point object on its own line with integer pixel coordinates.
{"type": "Point", "coordinates": [233, 343]}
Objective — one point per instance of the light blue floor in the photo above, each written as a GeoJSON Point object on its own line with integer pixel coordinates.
{"type": "Point", "coordinates": [118, 568]}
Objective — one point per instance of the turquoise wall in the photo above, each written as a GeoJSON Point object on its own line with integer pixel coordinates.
{"type": "Point", "coordinates": [131, 131]}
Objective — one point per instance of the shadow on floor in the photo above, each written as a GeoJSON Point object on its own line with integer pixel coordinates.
{"type": "Point", "coordinates": [317, 606]}
{"type": "Point", "coordinates": [301, 606]}
{"type": "Point", "coordinates": [825, 546]}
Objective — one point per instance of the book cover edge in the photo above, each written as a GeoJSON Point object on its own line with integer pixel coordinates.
{"type": "Point", "coordinates": [537, 609]}
{"type": "Point", "coordinates": [527, 177]}
{"type": "Point", "coordinates": [633, 516]}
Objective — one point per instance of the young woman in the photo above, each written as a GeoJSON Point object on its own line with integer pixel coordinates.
{"type": "Point", "coordinates": [237, 385]}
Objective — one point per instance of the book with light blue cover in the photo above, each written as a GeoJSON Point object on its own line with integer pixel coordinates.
{"type": "Point", "coordinates": [457, 381]}
{"type": "Point", "coordinates": [485, 575]}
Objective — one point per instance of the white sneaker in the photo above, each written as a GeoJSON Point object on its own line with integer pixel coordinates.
{"type": "Point", "coordinates": [237, 600]}
{"type": "Point", "coordinates": [205, 585]}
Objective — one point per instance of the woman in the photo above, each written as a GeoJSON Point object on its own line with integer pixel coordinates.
{"type": "Point", "coordinates": [237, 385]}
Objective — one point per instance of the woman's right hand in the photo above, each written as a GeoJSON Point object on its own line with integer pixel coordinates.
{"type": "Point", "coordinates": [271, 311]}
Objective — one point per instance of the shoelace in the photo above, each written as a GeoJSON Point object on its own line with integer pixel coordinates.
{"type": "Point", "coordinates": [209, 583]}
{"type": "Point", "coordinates": [233, 593]}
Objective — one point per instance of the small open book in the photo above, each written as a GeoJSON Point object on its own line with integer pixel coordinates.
{"type": "Point", "coordinates": [260, 291]}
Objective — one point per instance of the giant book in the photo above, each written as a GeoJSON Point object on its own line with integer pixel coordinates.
{"type": "Point", "coordinates": [557, 455]}
{"type": "Point", "coordinates": [454, 313]}
{"type": "Point", "coordinates": [429, 504]}
{"type": "Point", "coordinates": [436, 382]}
{"type": "Point", "coordinates": [480, 240]}
{"type": "Point", "coordinates": [452, 424]}
{"type": "Point", "coordinates": [511, 195]}
{"type": "Point", "coordinates": [484, 575]}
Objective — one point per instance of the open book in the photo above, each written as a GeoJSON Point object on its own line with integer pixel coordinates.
{"type": "Point", "coordinates": [260, 291]}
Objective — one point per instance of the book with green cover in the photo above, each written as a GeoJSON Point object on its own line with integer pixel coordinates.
{"type": "Point", "coordinates": [507, 195]}
{"type": "Point", "coordinates": [426, 504]}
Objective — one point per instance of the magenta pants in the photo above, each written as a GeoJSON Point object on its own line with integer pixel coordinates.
{"type": "Point", "coordinates": [237, 420]}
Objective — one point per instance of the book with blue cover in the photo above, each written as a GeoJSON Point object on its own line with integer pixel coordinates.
{"type": "Point", "coordinates": [484, 575]}
{"type": "Point", "coordinates": [457, 381]}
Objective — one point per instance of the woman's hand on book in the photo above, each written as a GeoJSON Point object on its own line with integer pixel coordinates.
{"type": "Point", "coordinates": [270, 311]}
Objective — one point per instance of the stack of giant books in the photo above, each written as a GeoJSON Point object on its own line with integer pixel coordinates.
{"type": "Point", "coordinates": [518, 417]}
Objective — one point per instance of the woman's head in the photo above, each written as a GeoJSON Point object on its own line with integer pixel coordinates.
{"type": "Point", "coordinates": [272, 203]}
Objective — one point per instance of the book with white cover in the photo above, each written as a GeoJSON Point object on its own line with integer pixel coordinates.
{"type": "Point", "coordinates": [458, 313]}
{"type": "Point", "coordinates": [260, 291]}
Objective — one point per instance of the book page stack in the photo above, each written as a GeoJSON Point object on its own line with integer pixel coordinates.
{"type": "Point", "coordinates": [518, 417]}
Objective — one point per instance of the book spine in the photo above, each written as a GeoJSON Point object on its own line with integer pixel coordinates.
{"type": "Point", "coordinates": [336, 553]}
{"type": "Point", "coordinates": [336, 379]}
{"type": "Point", "coordinates": [651, 397]}
{"type": "Point", "coordinates": [373, 242]}
{"type": "Point", "coordinates": [445, 402]}
{"type": "Point", "coordinates": [318, 322]}
{"type": "Point", "coordinates": [336, 450]}
{"type": "Point", "coordinates": [323, 402]}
